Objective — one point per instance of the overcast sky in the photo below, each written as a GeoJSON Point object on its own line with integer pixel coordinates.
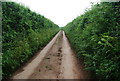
{"type": "Point", "coordinates": [60, 12]}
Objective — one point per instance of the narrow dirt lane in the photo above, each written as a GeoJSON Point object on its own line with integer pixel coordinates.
{"type": "Point", "coordinates": [55, 61]}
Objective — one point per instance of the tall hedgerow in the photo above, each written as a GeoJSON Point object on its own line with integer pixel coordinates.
{"type": "Point", "coordinates": [24, 33]}
{"type": "Point", "coordinates": [95, 36]}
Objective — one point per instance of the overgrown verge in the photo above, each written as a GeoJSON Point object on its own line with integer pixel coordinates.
{"type": "Point", "coordinates": [24, 32]}
{"type": "Point", "coordinates": [95, 36]}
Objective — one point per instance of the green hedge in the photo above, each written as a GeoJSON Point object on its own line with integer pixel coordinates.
{"type": "Point", "coordinates": [24, 33]}
{"type": "Point", "coordinates": [95, 36]}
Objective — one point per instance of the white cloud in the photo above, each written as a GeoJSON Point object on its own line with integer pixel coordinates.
{"type": "Point", "coordinates": [60, 12]}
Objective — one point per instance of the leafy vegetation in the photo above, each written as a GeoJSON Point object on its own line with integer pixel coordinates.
{"type": "Point", "coordinates": [24, 32]}
{"type": "Point", "coordinates": [95, 36]}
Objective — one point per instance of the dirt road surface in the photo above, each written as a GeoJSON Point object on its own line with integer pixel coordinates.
{"type": "Point", "coordinates": [56, 61]}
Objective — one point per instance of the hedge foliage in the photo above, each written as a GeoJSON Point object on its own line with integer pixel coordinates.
{"type": "Point", "coordinates": [95, 36]}
{"type": "Point", "coordinates": [24, 32]}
